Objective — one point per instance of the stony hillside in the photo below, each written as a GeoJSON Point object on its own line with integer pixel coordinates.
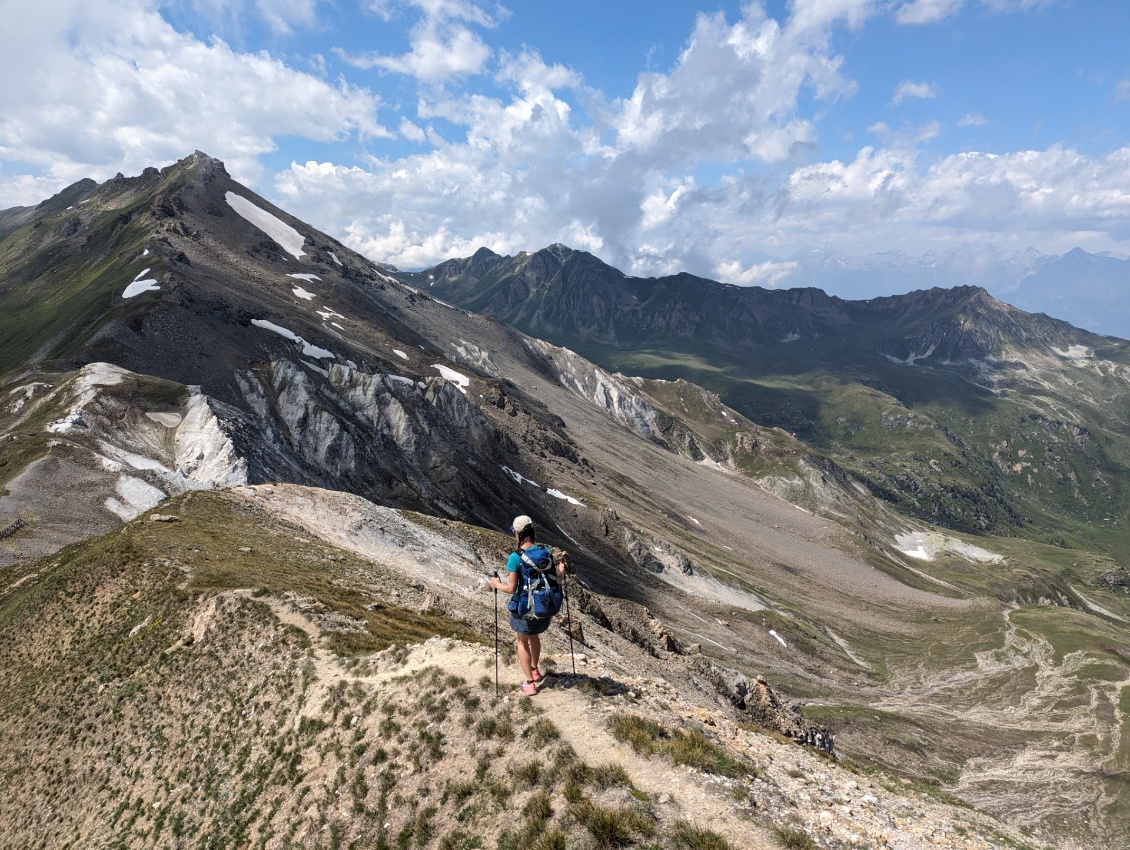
{"type": "Point", "coordinates": [242, 671]}
{"type": "Point", "coordinates": [168, 337]}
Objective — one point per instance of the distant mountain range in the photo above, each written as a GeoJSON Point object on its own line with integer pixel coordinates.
{"type": "Point", "coordinates": [947, 402]}
{"type": "Point", "coordinates": [1088, 290]}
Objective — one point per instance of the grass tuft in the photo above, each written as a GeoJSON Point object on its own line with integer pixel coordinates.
{"type": "Point", "coordinates": [795, 838]}
{"type": "Point", "coordinates": [686, 748]}
{"type": "Point", "coordinates": [612, 828]}
{"type": "Point", "coordinates": [686, 836]}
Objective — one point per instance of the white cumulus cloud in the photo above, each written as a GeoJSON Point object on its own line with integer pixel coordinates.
{"type": "Point", "coordinates": [615, 177]}
{"type": "Point", "coordinates": [907, 90]}
{"type": "Point", "coordinates": [443, 47]}
{"type": "Point", "coordinates": [118, 89]}
{"type": "Point", "coordinates": [771, 274]}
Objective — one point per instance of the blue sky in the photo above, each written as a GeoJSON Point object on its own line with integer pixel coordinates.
{"type": "Point", "coordinates": [717, 138]}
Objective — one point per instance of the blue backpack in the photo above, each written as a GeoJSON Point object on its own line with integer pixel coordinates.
{"type": "Point", "coordinates": [539, 594]}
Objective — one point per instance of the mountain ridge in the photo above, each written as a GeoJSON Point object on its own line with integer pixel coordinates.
{"type": "Point", "coordinates": [1031, 280]}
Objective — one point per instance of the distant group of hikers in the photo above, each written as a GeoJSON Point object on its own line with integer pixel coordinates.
{"type": "Point", "coordinates": [536, 587]}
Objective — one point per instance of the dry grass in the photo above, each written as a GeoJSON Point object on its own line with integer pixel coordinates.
{"type": "Point", "coordinates": [686, 748]}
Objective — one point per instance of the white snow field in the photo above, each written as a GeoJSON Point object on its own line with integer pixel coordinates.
{"type": "Point", "coordinates": [289, 238]}
{"type": "Point", "coordinates": [299, 292]}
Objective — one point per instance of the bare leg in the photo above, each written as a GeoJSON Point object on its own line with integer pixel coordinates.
{"type": "Point", "coordinates": [535, 653]}
{"type": "Point", "coordinates": [526, 653]}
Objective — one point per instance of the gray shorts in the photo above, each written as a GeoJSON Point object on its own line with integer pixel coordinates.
{"type": "Point", "coordinates": [528, 627]}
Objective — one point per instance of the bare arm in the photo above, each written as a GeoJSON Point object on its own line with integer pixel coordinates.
{"type": "Point", "coordinates": [509, 586]}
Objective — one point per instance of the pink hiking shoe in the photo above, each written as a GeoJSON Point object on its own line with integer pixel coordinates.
{"type": "Point", "coordinates": [537, 676]}
{"type": "Point", "coordinates": [529, 689]}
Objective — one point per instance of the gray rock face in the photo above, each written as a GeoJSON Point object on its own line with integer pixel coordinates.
{"type": "Point", "coordinates": [383, 436]}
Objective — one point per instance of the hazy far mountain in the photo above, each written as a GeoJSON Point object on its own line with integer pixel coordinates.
{"type": "Point", "coordinates": [1088, 290]}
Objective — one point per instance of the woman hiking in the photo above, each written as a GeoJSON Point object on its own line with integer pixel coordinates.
{"type": "Point", "coordinates": [527, 631]}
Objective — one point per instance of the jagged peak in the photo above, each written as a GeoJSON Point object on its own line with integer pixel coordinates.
{"type": "Point", "coordinates": [202, 162]}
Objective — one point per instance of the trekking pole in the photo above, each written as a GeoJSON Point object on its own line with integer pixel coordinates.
{"type": "Point", "coordinates": [496, 639]}
{"type": "Point", "coordinates": [569, 617]}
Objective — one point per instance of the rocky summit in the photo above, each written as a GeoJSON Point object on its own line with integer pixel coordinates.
{"type": "Point", "coordinates": [253, 481]}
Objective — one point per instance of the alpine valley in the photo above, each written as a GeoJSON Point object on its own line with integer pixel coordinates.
{"type": "Point", "coordinates": [848, 574]}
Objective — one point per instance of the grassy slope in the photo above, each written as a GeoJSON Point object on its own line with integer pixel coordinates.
{"type": "Point", "coordinates": [124, 732]}
{"type": "Point", "coordinates": [63, 271]}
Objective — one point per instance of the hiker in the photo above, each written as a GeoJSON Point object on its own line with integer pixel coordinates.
{"type": "Point", "coordinates": [527, 631]}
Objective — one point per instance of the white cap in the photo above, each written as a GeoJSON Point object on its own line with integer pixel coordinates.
{"type": "Point", "coordinates": [520, 524]}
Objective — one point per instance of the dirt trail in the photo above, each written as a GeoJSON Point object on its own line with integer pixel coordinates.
{"type": "Point", "coordinates": [680, 792]}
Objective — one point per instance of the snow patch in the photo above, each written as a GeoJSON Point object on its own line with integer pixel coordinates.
{"type": "Point", "coordinates": [517, 476]}
{"type": "Point", "coordinates": [400, 354]}
{"type": "Point", "coordinates": [790, 337]}
{"type": "Point", "coordinates": [305, 276]}
{"type": "Point", "coordinates": [307, 349]}
{"type": "Point", "coordinates": [68, 423]}
{"type": "Point", "coordinates": [139, 286]}
{"type": "Point", "coordinates": [457, 378]}
{"type": "Point", "coordinates": [780, 639]}
{"type": "Point", "coordinates": [169, 420]}
{"type": "Point", "coordinates": [333, 257]}
{"type": "Point", "coordinates": [299, 292]}
{"type": "Point", "coordinates": [289, 238]}
{"type": "Point", "coordinates": [557, 494]}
